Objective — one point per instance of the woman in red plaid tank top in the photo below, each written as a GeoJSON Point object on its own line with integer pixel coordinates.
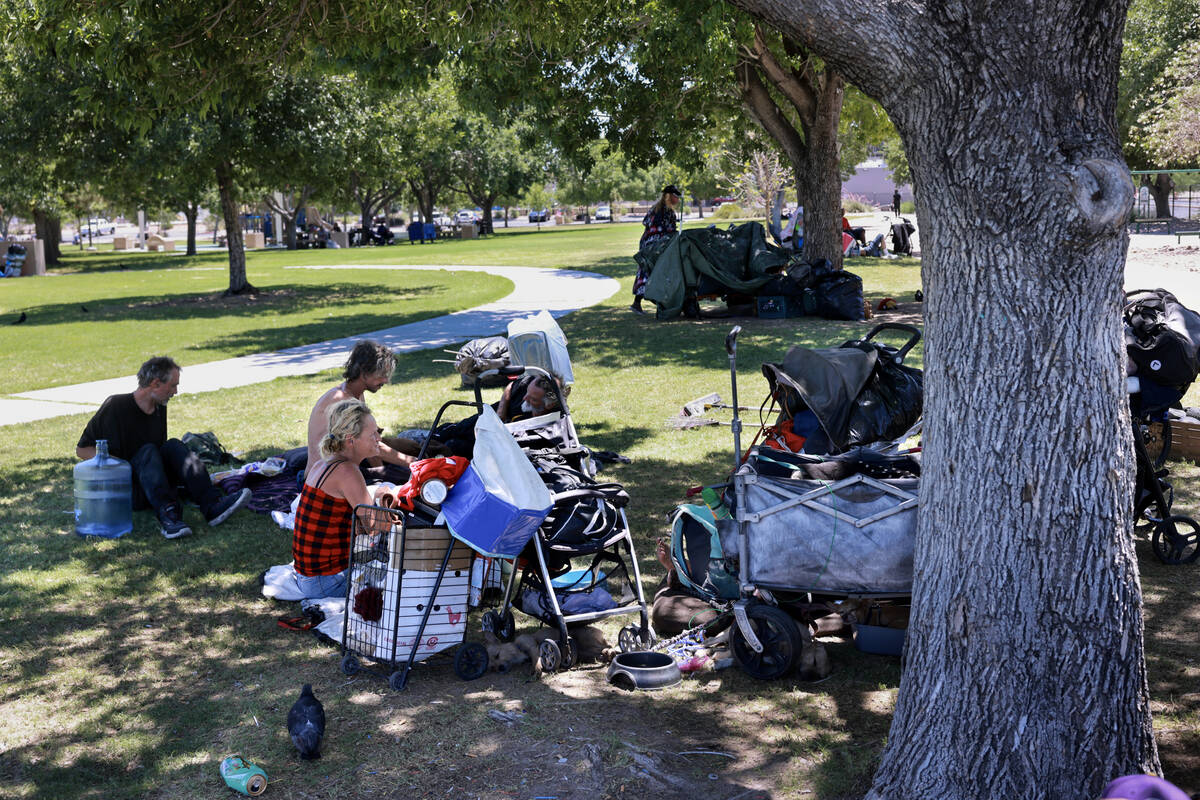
{"type": "Point", "coordinates": [321, 537]}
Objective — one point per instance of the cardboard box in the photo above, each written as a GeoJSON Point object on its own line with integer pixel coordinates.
{"type": "Point", "coordinates": [253, 240]}
{"type": "Point", "coordinates": [405, 598]}
{"type": "Point", "coordinates": [424, 549]}
{"type": "Point", "coordinates": [1185, 440]}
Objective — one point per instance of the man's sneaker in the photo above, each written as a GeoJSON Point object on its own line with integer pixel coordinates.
{"type": "Point", "coordinates": [227, 505]}
{"type": "Point", "coordinates": [174, 528]}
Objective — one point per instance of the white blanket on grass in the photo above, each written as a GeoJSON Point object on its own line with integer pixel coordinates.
{"type": "Point", "coordinates": [279, 583]}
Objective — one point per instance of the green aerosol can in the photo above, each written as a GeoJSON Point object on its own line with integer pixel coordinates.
{"type": "Point", "coordinates": [242, 776]}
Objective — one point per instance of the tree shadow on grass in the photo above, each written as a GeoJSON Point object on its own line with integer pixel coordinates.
{"type": "Point", "coordinates": [210, 305]}
{"type": "Point", "coordinates": [149, 660]}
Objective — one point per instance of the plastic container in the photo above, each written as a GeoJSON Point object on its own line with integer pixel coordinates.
{"type": "Point", "coordinates": [103, 495]}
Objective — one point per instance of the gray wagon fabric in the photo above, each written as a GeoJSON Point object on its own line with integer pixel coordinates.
{"type": "Point", "coordinates": [853, 536]}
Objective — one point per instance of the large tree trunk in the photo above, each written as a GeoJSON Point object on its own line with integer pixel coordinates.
{"type": "Point", "coordinates": [48, 228]}
{"type": "Point", "coordinates": [819, 183]}
{"type": "Point", "coordinates": [1025, 674]}
{"type": "Point", "coordinates": [238, 283]}
{"type": "Point", "coordinates": [1160, 189]}
{"type": "Point", "coordinates": [190, 211]}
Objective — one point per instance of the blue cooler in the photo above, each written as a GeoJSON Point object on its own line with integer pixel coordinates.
{"type": "Point", "coordinates": [488, 524]}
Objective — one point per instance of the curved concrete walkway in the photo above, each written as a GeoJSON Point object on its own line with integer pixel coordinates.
{"type": "Point", "coordinates": [557, 291]}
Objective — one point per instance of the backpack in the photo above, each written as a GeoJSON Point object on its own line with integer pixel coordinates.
{"type": "Point", "coordinates": [207, 448]}
{"type": "Point", "coordinates": [697, 556]}
{"type": "Point", "coordinates": [1162, 337]}
{"type": "Point", "coordinates": [585, 513]}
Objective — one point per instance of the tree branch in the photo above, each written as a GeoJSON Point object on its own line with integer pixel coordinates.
{"type": "Point", "coordinates": [763, 110]}
{"type": "Point", "coordinates": [857, 39]}
{"type": "Point", "coordinates": [799, 92]}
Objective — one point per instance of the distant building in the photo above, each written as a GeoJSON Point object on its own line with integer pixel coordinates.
{"type": "Point", "coordinates": [872, 182]}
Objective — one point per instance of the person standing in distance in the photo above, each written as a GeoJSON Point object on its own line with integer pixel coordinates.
{"type": "Point", "coordinates": [661, 223]}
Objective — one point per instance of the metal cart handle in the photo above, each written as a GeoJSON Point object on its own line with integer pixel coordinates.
{"type": "Point", "coordinates": [731, 340]}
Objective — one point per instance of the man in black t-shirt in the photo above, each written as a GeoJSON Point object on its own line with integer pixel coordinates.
{"type": "Point", "coordinates": [135, 426]}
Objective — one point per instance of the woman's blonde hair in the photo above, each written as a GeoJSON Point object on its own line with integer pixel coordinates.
{"type": "Point", "coordinates": [345, 420]}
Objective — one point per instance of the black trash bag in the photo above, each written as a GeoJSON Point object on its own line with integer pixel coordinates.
{"type": "Point", "coordinates": [800, 273]}
{"type": "Point", "coordinates": [889, 404]}
{"type": "Point", "coordinates": [481, 355]}
{"type": "Point", "coordinates": [902, 237]}
{"type": "Point", "coordinates": [859, 393]}
{"type": "Point", "coordinates": [782, 285]}
{"type": "Point", "coordinates": [839, 295]}
{"type": "Point", "coordinates": [821, 267]}
{"type": "Point", "coordinates": [1162, 338]}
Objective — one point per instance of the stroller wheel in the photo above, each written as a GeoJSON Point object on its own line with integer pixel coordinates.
{"type": "Point", "coordinates": [780, 641]}
{"type": "Point", "coordinates": [350, 665]}
{"type": "Point", "coordinates": [550, 655]}
{"type": "Point", "coordinates": [471, 661]}
{"type": "Point", "coordinates": [503, 625]}
{"type": "Point", "coordinates": [1176, 540]}
{"type": "Point", "coordinates": [398, 681]}
{"type": "Point", "coordinates": [633, 638]}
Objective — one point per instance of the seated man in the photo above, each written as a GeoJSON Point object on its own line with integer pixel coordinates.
{"type": "Point", "coordinates": [860, 234]}
{"type": "Point", "coordinates": [135, 426]}
{"type": "Point", "coordinates": [530, 396]}
{"type": "Point", "coordinates": [368, 368]}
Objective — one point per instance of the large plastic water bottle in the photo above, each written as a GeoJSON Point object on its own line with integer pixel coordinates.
{"type": "Point", "coordinates": [103, 495]}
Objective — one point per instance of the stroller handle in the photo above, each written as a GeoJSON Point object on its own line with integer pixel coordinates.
{"type": "Point", "coordinates": [914, 336]}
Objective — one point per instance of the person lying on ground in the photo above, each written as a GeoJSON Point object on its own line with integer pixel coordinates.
{"type": "Point", "coordinates": [368, 369]}
{"type": "Point", "coordinates": [530, 396]}
{"type": "Point", "coordinates": [164, 470]}
{"type": "Point", "coordinates": [324, 516]}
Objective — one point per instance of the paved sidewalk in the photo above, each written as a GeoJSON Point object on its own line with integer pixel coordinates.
{"type": "Point", "coordinates": [557, 291]}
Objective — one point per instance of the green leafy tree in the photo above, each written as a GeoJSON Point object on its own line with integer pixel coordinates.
{"type": "Point", "coordinates": [1170, 130]}
{"type": "Point", "coordinates": [1155, 32]}
{"type": "Point", "coordinates": [490, 162]}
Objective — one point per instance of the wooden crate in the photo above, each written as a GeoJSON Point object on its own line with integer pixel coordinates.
{"type": "Point", "coordinates": [1185, 440]}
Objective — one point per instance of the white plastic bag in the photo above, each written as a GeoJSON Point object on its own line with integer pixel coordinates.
{"type": "Point", "coordinates": [503, 467]}
{"type": "Point", "coordinates": [537, 341]}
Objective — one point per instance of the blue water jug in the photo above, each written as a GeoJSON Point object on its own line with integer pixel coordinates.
{"type": "Point", "coordinates": [103, 495]}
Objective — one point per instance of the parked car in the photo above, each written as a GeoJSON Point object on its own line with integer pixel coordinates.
{"type": "Point", "coordinates": [443, 221]}
{"type": "Point", "coordinates": [603, 212]}
{"type": "Point", "coordinates": [465, 216]}
{"type": "Point", "coordinates": [541, 215]}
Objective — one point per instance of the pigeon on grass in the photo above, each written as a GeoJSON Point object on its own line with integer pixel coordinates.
{"type": "Point", "coordinates": [306, 724]}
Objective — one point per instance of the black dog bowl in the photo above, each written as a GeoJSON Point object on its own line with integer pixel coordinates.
{"type": "Point", "coordinates": [643, 670]}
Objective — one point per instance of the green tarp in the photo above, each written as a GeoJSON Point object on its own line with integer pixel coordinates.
{"type": "Point", "coordinates": [739, 259]}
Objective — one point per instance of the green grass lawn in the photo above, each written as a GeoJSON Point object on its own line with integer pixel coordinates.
{"type": "Point", "coordinates": [130, 668]}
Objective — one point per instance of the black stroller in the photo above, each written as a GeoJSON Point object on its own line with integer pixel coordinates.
{"type": "Point", "coordinates": [580, 566]}
{"type": "Point", "coordinates": [1161, 340]}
